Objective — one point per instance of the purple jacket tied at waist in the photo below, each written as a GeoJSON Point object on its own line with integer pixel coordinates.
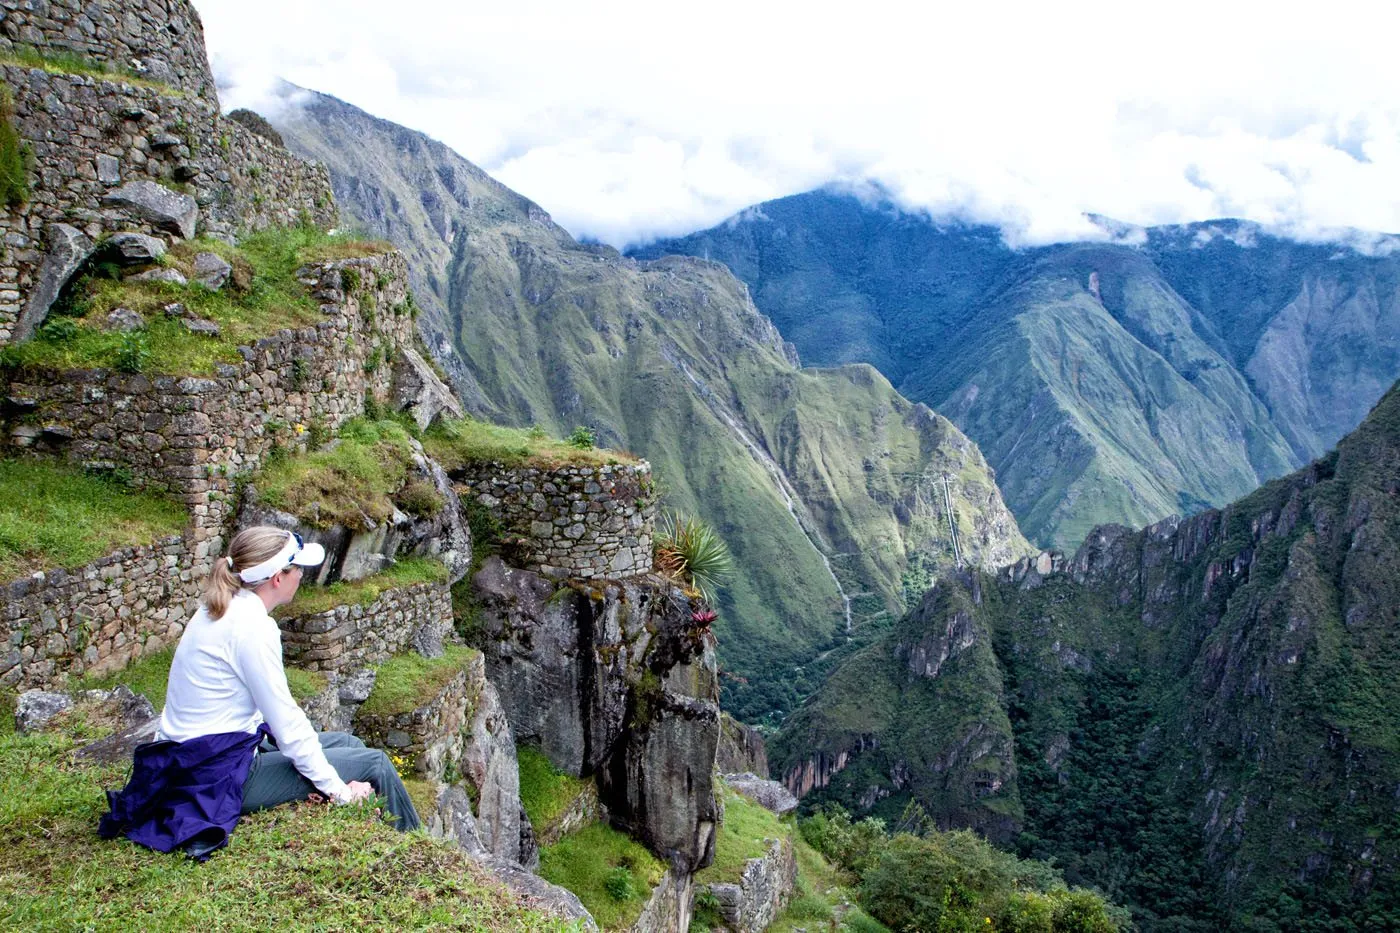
{"type": "Point", "coordinates": [183, 794]}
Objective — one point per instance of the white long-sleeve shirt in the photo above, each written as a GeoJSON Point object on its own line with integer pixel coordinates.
{"type": "Point", "coordinates": [227, 676]}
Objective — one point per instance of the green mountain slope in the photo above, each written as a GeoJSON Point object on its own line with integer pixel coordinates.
{"type": "Point", "coordinates": [826, 483]}
{"type": "Point", "coordinates": [1197, 717]}
{"type": "Point", "coordinates": [1092, 376]}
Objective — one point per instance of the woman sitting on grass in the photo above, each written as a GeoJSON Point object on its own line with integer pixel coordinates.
{"type": "Point", "coordinates": [212, 760]}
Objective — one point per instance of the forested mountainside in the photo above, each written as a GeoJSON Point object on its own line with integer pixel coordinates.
{"type": "Point", "coordinates": [1091, 375]}
{"type": "Point", "coordinates": [828, 486]}
{"type": "Point", "coordinates": [1198, 717]}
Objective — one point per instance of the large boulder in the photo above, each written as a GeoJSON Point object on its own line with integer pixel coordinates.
{"type": "Point", "coordinates": [617, 680]}
{"type": "Point", "coordinates": [770, 795]}
{"type": "Point", "coordinates": [156, 204]}
{"type": "Point", "coordinates": [418, 390]}
{"type": "Point", "coordinates": [68, 248]}
{"type": "Point", "coordinates": [211, 270]}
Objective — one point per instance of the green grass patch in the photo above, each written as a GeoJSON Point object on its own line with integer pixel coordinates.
{"type": "Point", "coordinates": [301, 867]}
{"type": "Point", "coordinates": [273, 300]}
{"type": "Point", "coordinates": [53, 515]}
{"type": "Point", "coordinates": [407, 572]}
{"type": "Point", "coordinates": [304, 684]}
{"type": "Point", "coordinates": [16, 158]}
{"type": "Point", "coordinates": [611, 873]}
{"type": "Point", "coordinates": [60, 62]}
{"type": "Point", "coordinates": [546, 793]}
{"type": "Point", "coordinates": [455, 442]}
{"type": "Point", "coordinates": [746, 833]}
{"type": "Point", "coordinates": [352, 483]}
{"type": "Point", "coordinates": [407, 681]}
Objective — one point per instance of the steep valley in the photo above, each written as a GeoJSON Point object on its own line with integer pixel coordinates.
{"type": "Point", "coordinates": [825, 482]}
{"type": "Point", "coordinates": [1196, 717]}
{"type": "Point", "coordinates": [1091, 375]}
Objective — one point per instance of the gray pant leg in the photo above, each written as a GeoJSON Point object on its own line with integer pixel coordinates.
{"type": "Point", "coordinates": [274, 780]}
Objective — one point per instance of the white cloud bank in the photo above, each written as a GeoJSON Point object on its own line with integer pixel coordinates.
{"type": "Point", "coordinates": [629, 121]}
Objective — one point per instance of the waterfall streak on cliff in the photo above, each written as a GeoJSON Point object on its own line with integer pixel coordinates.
{"type": "Point", "coordinates": [767, 462]}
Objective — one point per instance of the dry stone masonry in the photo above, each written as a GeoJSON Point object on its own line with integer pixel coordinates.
{"type": "Point", "coordinates": [571, 521]}
{"type": "Point", "coordinates": [97, 618]}
{"type": "Point", "coordinates": [354, 636]}
{"type": "Point", "coordinates": [160, 40]}
{"type": "Point", "coordinates": [92, 139]}
{"type": "Point", "coordinates": [192, 436]}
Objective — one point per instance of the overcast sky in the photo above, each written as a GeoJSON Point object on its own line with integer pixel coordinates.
{"type": "Point", "coordinates": [629, 121]}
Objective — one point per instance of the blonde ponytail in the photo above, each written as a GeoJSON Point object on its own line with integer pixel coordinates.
{"type": "Point", "coordinates": [249, 547]}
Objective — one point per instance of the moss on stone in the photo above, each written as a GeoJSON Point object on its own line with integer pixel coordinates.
{"type": "Point", "coordinates": [455, 442]}
{"type": "Point", "coordinates": [410, 571]}
{"type": "Point", "coordinates": [408, 681]}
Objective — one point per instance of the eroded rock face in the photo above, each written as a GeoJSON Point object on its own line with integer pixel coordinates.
{"type": "Point", "coordinates": [616, 681]}
{"type": "Point", "coordinates": [488, 762]}
{"type": "Point", "coordinates": [418, 390]}
{"type": "Point", "coordinates": [741, 749]}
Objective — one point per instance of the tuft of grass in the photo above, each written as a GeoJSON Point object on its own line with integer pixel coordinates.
{"type": "Point", "coordinates": [455, 442]}
{"type": "Point", "coordinates": [407, 681]}
{"type": "Point", "coordinates": [407, 572]}
{"type": "Point", "coordinates": [584, 862]}
{"type": "Point", "coordinates": [273, 301]}
{"type": "Point", "coordinates": [546, 793]}
{"type": "Point", "coordinates": [339, 246]}
{"type": "Point", "coordinates": [302, 867]}
{"type": "Point", "coordinates": [691, 551]}
{"type": "Point", "coordinates": [746, 833]}
{"type": "Point", "coordinates": [352, 483]}
{"type": "Point", "coordinates": [305, 684]}
{"type": "Point", "coordinates": [54, 515]}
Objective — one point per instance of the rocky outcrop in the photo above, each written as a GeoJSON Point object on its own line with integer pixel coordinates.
{"type": "Point", "coordinates": [741, 748]}
{"type": "Point", "coordinates": [668, 910]}
{"type": "Point", "coordinates": [767, 794]}
{"type": "Point", "coordinates": [753, 903]}
{"type": "Point", "coordinates": [617, 681]}
{"type": "Point", "coordinates": [66, 250]}
{"type": "Point", "coordinates": [418, 390]}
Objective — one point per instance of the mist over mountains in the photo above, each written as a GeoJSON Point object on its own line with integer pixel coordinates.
{"type": "Point", "coordinates": [1103, 381]}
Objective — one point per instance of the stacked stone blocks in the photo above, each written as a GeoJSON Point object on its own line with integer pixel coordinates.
{"type": "Point", "coordinates": [192, 436]}
{"type": "Point", "coordinates": [431, 735]}
{"type": "Point", "coordinates": [355, 636]}
{"type": "Point", "coordinates": [575, 520]}
{"type": "Point", "coordinates": [90, 135]}
{"type": "Point", "coordinates": [97, 618]}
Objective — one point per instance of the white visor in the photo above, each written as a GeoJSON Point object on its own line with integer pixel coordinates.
{"type": "Point", "coordinates": [293, 552]}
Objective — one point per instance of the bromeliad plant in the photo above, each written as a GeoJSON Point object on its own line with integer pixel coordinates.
{"type": "Point", "coordinates": [690, 551]}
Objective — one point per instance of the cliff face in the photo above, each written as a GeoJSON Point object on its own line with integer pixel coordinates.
{"type": "Point", "coordinates": [1089, 374]}
{"type": "Point", "coordinates": [824, 476]}
{"type": "Point", "coordinates": [1208, 694]}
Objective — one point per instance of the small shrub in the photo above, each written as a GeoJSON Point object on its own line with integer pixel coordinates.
{"type": "Point", "coordinates": [59, 329]}
{"type": "Point", "coordinates": [691, 551]}
{"type": "Point", "coordinates": [133, 353]}
{"type": "Point", "coordinates": [349, 280]}
{"type": "Point", "coordinates": [583, 438]}
{"type": "Point", "coordinates": [537, 433]}
{"type": "Point", "coordinates": [419, 498]}
{"type": "Point", "coordinates": [318, 434]}
{"type": "Point", "coordinates": [619, 884]}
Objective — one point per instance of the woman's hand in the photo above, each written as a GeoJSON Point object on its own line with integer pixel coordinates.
{"type": "Point", "coordinates": [359, 790]}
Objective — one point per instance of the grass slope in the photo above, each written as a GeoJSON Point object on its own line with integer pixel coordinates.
{"type": "Point", "coordinates": [293, 868]}
{"type": "Point", "coordinates": [55, 515]}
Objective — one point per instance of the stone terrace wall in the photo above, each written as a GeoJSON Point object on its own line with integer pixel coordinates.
{"type": "Point", "coordinates": [161, 39]}
{"type": "Point", "coordinates": [89, 136]}
{"type": "Point", "coordinates": [193, 435]}
{"type": "Point", "coordinates": [350, 637]}
{"type": "Point", "coordinates": [97, 618]}
{"type": "Point", "coordinates": [572, 521]}
{"type": "Point", "coordinates": [431, 734]}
